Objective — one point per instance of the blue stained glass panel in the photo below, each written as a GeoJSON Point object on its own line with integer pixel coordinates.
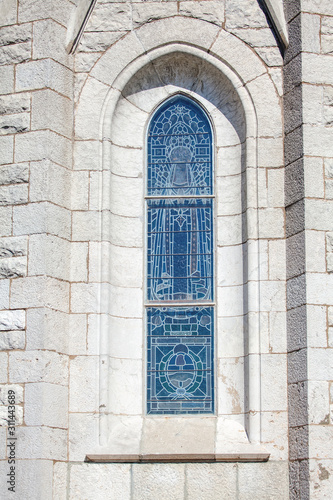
{"type": "Point", "coordinates": [180, 338]}
{"type": "Point", "coordinates": [180, 364]}
{"type": "Point", "coordinates": [180, 249]}
{"type": "Point", "coordinates": [180, 150]}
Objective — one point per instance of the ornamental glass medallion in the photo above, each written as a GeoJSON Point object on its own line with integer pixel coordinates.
{"type": "Point", "coordinates": [180, 334]}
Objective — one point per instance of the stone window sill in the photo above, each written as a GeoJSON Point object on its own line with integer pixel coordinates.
{"type": "Point", "coordinates": [179, 458]}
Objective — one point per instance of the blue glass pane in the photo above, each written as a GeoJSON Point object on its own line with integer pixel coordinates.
{"type": "Point", "coordinates": [180, 249]}
{"type": "Point", "coordinates": [180, 150]}
{"type": "Point", "coordinates": [180, 371]}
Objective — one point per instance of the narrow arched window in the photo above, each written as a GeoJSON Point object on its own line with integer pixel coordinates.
{"type": "Point", "coordinates": [180, 260]}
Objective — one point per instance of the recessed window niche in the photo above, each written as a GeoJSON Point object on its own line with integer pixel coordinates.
{"type": "Point", "coordinates": [233, 425]}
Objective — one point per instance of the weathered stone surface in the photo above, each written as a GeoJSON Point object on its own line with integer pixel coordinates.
{"type": "Point", "coordinates": [165, 481]}
{"type": "Point", "coordinates": [39, 291]}
{"type": "Point", "coordinates": [5, 221]}
{"type": "Point", "coordinates": [271, 481]}
{"type": "Point", "coordinates": [147, 12]}
{"type": "Point", "coordinates": [18, 390]}
{"type": "Point", "coordinates": [36, 366]}
{"type": "Point", "coordinates": [37, 145]}
{"type": "Point", "coordinates": [13, 246]}
{"type": "Point", "coordinates": [327, 35]}
{"type": "Point", "coordinates": [53, 408]}
{"type": "Point", "coordinates": [259, 37]}
{"type": "Point", "coordinates": [10, 35]}
{"type": "Point", "coordinates": [6, 79]}
{"type": "Point", "coordinates": [50, 110]}
{"type": "Point", "coordinates": [12, 340]}
{"type": "Point", "coordinates": [32, 10]}
{"type": "Point", "coordinates": [208, 11]}
{"type": "Point", "coordinates": [91, 43]}
{"type": "Point", "coordinates": [14, 174]}
{"type": "Point", "coordinates": [8, 12]}
{"type": "Point", "coordinates": [270, 55]}
{"type": "Point", "coordinates": [220, 479]}
{"type": "Point", "coordinates": [111, 480]}
{"type": "Point", "coordinates": [5, 418]}
{"type": "Point", "coordinates": [44, 73]}
{"type": "Point", "coordinates": [12, 320]}
{"type": "Point", "coordinates": [49, 41]}
{"type": "Point", "coordinates": [83, 373]}
{"type": "Point", "coordinates": [110, 17]}
{"type": "Point", "coordinates": [246, 14]}
{"type": "Point", "coordinates": [41, 442]}
{"type": "Point", "coordinates": [7, 150]}
{"type": "Point", "coordinates": [13, 195]}
{"type": "Point", "coordinates": [15, 103]}
{"type": "Point", "coordinates": [84, 61]}
{"type": "Point", "coordinates": [14, 267]}
{"type": "Point", "coordinates": [11, 54]}
{"type": "Point", "coordinates": [14, 124]}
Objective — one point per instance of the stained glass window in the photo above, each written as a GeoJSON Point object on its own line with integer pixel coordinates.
{"type": "Point", "coordinates": [180, 279]}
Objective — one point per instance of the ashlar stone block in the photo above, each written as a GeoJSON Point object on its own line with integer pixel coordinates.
{"type": "Point", "coordinates": [146, 12]}
{"type": "Point", "coordinates": [8, 12]}
{"type": "Point", "coordinates": [46, 404]}
{"type": "Point", "coordinates": [110, 17]}
{"type": "Point", "coordinates": [7, 149]}
{"type": "Point", "coordinates": [12, 320]}
{"type": "Point", "coordinates": [41, 443]}
{"type": "Point", "coordinates": [4, 389]}
{"type": "Point", "coordinates": [39, 291]}
{"type": "Point", "coordinates": [165, 481]}
{"type": "Point", "coordinates": [12, 340]}
{"type": "Point", "coordinates": [14, 54]}
{"type": "Point", "coordinates": [5, 419]}
{"type": "Point", "coordinates": [244, 15]}
{"type": "Point", "coordinates": [271, 481]}
{"type": "Point", "coordinates": [32, 10]}
{"type": "Point", "coordinates": [16, 103]}
{"type": "Point", "coordinates": [49, 41]}
{"type": "Point", "coordinates": [6, 79]}
{"type": "Point", "coordinates": [44, 73]}
{"type": "Point", "coordinates": [112, 481]}
{"type": "Point", "coordinates": [210, 480]}
{"type": "Point", "coordinates": [3, 367]}
{"type": "Point", "coordinates": [36, 366]}
{"type": "Point", "coordinates": [13, 195]}
{"type": "Point", "coordinates": [37, 145]}
{"type": "Point", "coordinates": [14, 174]}
{"type": "Point", "coordinates": [53, 111]}
{"type": "Point", "coordinates": [84, 371]}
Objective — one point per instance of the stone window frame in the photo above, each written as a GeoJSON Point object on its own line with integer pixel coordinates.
{"type": "Point", "coordinates": [253, 110]}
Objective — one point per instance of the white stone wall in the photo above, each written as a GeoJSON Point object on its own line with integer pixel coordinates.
{"type": "Point", "coordinates": [35, 177]}
{"type": "Point", "coordinates": [71, 244]}
{"type": "Point", "coordinates": [308, 77]}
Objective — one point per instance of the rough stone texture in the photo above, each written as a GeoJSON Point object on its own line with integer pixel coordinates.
{"type": "Point", "coordinates": [12, 340]}
{"type": "Point", "coordinates": [111, 480]}
{"type": "Point", "coordinates": [12, 320]}
{"type": "Point", "coordinates": [14, 174]}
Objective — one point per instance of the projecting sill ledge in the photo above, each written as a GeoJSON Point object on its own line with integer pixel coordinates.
{"type": "Point", "coordinates": [179, 458]}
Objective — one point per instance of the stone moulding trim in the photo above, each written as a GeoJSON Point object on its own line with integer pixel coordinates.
{"type": "Point", "coordinates": [276, 14]}
{"type": "Point", "coordinates": [77, 23]}
{"type": "Point", "coordinates": [179, 458]}
{"type": "Point", "coordinates": [105, 123]}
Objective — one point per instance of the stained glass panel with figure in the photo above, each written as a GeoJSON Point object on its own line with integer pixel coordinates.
{"type": "Point", "coordinates": [180, 377]}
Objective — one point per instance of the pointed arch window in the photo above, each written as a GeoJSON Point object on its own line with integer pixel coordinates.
{"type": "Point", "coordinates": [180, 260]}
